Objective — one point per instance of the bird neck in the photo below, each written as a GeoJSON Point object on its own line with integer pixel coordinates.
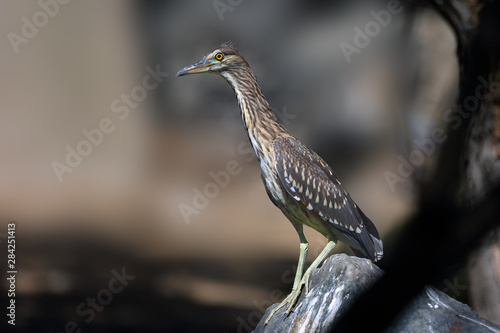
{"type": "Point", "coordinates": [260, 121]}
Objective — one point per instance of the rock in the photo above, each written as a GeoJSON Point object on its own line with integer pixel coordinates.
{"type": "Point", "coordinates": [342, 278]}
{"type": "Point", "coordinates": [332, 287]}
{"type": "Point", "coordinates": [434, 311]}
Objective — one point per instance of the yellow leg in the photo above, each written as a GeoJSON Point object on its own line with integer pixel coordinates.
{"type": "Point", "coordinates": [319, 259]}
{"type": "Point", "coordinates": [294, 295]}
{"type": "Point", "coordinates": [304, 246]}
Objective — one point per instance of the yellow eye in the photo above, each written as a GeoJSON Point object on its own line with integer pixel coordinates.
{"type": "Point", "coordinates": [219, 56]}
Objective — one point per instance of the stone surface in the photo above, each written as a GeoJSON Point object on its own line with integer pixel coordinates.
{"type": "Point", "coordinates": [342, 278]}
{"type": "Point", "coordinates": [434, 311]}
{"type": "Point", "coordinates": [332, 288]}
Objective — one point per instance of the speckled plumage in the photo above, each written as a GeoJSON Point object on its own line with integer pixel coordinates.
{"type": "Point", "coordinates": [296, 179]}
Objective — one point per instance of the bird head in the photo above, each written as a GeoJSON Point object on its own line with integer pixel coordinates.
{"type": "Point", "coordinates": [223, 61]}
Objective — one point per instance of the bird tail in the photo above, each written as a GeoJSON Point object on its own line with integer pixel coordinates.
{"type": "Point", "coordinates": [373, 246]}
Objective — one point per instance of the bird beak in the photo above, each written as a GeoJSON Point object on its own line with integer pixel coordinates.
{"type": "Point", "coordinates": [202, 66]}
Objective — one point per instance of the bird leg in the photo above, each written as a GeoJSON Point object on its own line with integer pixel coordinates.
{"type": "Point", "coordinates": [305, 278]}
{"type": "Point", "coordinates": [304, 246]}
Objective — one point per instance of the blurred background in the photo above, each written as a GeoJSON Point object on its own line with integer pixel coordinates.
{"type": "Point", "coordinates": [108, 160]}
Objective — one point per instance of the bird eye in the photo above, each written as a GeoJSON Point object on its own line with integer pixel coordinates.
{"type": "Point", "coordinates": [219, 56]}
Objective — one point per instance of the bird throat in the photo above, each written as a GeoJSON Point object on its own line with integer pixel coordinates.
{"type": "Point", "coordinates": [258, 118]}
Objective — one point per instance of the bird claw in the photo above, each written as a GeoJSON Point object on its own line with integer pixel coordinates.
{"type": "Point", "coordinates": [282, 304]}
{"type": "Point", "coordinates": [291, 299]}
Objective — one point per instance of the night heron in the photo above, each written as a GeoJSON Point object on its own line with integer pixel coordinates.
{"type": "Point", "coordinates": [296, 179]}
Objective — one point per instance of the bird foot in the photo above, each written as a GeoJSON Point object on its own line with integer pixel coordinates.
{"type": "Point", "coordinates": [291, 299]}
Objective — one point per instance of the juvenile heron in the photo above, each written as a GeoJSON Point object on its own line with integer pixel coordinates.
{"type": "Point", "coordinates": [296, 179]}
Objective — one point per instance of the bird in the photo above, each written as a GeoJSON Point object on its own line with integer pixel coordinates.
{"type": "Point", "coordinates": [297, 180]}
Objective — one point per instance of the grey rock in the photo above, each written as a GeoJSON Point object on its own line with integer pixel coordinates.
{"type": "Point", "coordinates": [434, 311]}
{"type": "Point", "coordinates": [332, 287]}
{"type": "Point", "coordinates": [342, 278]}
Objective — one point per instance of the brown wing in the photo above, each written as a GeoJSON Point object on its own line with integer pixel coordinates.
{"type": "Point", "coordinates": [308, 179]}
